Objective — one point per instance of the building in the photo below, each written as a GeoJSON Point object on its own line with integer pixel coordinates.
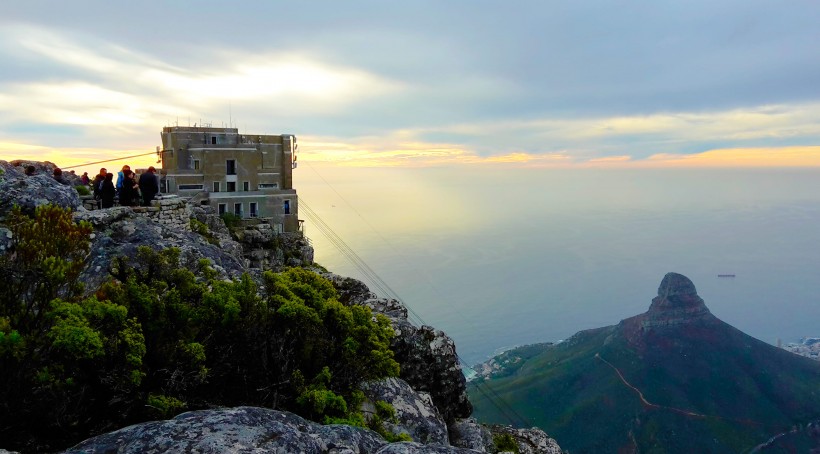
{"type": "Point", "coordinates": [247, 175]}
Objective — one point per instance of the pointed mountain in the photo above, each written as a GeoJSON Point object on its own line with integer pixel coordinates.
{"type": "Point", "coordinates": [674, 379]}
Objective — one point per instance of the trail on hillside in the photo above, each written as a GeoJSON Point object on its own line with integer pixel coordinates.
{"type": "Point", "coordinates": [643, 399]}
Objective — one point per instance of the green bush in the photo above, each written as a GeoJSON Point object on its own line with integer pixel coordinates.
{"type": "Point", "coordinates": [231, 220]}
{"type": "Point", "coordinates": [505, 443]}
{"type": "Point", "coordinates": [82, 189]}
{"type": "Point", "coordinates": [202, 229]}
{"type": "Point", "coordinates": [165, 335]}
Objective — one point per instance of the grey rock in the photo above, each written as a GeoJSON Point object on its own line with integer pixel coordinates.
{"type": "Point", "coordinates": [530, 441]}
{"type": "Point", "coordinates": [5, 239]}
{"type": "Point", "coordinates": [418, 448]}
{"type": "Point", "coordinates": [3, 451]}
{"type": "Point", "coordinates": [29, 192]}
{"type": "Point", "coordinates": [235, 430]}
{"type": "Point", "coordinates": [467, 433]}
{"type": "Point", "coordinates": [427, 356]}
{"type": "Point", "coordinates": [416, 415]}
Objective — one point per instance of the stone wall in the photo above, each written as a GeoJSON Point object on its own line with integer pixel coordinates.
{"type": "Point", "coordinates": [170, 211]}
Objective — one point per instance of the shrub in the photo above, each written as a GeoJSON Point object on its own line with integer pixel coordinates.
{"type": "Point", "coordinates": [82, 189]}
{"type": "Point", "coordinates": [505, 443]}
{"type": "Point", "coordinates": [231, 220]}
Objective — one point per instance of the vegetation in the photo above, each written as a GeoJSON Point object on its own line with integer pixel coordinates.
{"type": "Point", "coordinates": [202, 229]}
{"type": "Point", "coordinates": [164, 336]}
{"type": "Point", "coordinates": [82, 189]}
{"type": "Point", "coordinates": [505, 443]}
{"type": "Point", "coordinates": [742, 390]}
{"type": "Point", "coordinates": [231, 220]}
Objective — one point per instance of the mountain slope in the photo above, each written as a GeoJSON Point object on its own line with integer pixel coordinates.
{"type": "Point", "coordinates": [707, 386]}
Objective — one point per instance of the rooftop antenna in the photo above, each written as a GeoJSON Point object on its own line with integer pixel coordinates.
{"type": "Point", "coordinates": [230, 115]}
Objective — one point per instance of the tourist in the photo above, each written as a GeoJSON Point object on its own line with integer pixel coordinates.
{"type": "Point", "coordinates": [121, 176]}
{"type": "Point", "coordinates": [107, 191]}
{"type": "Point", "coordinates": [129, 192]}
{"type": "Point", "coordinates": [30, 170]}
{"type": "Point", "coordinates": [97, 182]}
{"type": "Point", "coordinates": [149, 186]}
{"type": "Point", "coordinates": [85, 178]}
{"type": "Point", "coordinates": [58, 175]}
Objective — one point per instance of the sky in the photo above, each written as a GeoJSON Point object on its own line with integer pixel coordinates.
{"type": "Point", "coordinates": [422, 83]}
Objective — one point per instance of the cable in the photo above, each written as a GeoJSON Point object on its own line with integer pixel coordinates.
{"type": "Point", "coordinates": [373, 278]}
{"type": "Point", "coordinates": [110, 160]}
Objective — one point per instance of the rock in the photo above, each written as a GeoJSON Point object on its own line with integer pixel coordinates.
{"type": "Point", "coordinates": [235, 430]}
{"type": "Point", "coordinates": [467, 433]}
{"type": "Point", "coordinates": [530, 441]}
{"type": "Point", "coordinates": [427, 356]}
{"type": "Point", "coordinates": [677, 303]}
{"type": "Point", "coordinates": [5, 239]}
{"type": "Point", "coordinates": [416, 415]}
{"type": "Point", "coordinates": [30, 192]}
{"type": "Point", "coordinates": [418, 448]}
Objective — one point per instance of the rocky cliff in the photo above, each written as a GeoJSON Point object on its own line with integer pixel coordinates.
{"type": "Point", "coordinates": [429, 397]}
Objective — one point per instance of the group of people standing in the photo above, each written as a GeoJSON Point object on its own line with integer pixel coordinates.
{"type": "Point", "coordinates": [129, 190]}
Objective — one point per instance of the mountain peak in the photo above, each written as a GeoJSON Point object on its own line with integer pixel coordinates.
{"type": "Point", "coordinates": [677, 303]}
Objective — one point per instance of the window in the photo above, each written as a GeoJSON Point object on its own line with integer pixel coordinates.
{"type": "Point", "coordinates": [223, 208]}
{"type": "Point", "coordinates": [287, 206]}
{"type": "Point", "coordinates": [231, 186]}
{"type": "Point", "coordinates": [230, 167]}
{"type": "Point", "coordinates": [268, 185]}
{"type": "Point", "coordinates": [254, 210]}
{"type": "Point", "coordinates": [213, 140]}
{"type": "Point", "coordinates": [196, 164]}
{"type": "Point", "coordinates": [237, 209]}
{"type": "Point", "coordinates": [216, 186]}
{"type": "Point", "coordinates": [246, 186]}
{"type": "Point", "coordinates": [189, 187]}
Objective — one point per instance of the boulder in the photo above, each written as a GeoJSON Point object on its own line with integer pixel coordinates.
{"type": "Point", "coordinates": [235, 430]}
{"type": "Point", "coordinates": [415, 414]}
{"type": "Point", "coordinates": [29, 192]}
{"type": "Point", "coordinates": [529, 441]}
{"type": "Point", "coordinates": [468, 433]}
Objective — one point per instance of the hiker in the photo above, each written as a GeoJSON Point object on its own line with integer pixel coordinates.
{"type": "Point", "coordinates": [58, 175]}
{"type": "Point", "coordinates": [96, 183]}
{"type": "Point", "coordinates": [107, 190]}
{"type": "Point", "coordinates": [149, 186]}
{"type": "Point", "coordinates": [30, 170]}
{"type": "Point", "coordinates": [85, 179]}
{"type": "Point", "coordinates": [129, 192]}
{"type": "Point", "coordinates": [121, 176]}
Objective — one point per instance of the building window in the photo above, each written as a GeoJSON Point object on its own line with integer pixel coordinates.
{"type": "Point", "coordinates": [246, 186]}
{"type": "Point", "coordinates": [190, 187]}
{"type": "Point", "coordinates": [287, 206]}
{"type": "Point", "coordinates": [254, 211]}
{"type": "Point", "coordinates": [230, 167]}
{"type": "Point", "coordinates": [216, 186]}
{"type": "Point", "coordinates": [268, 185]}
{"type": "Point", "coordinates": [196, 164]}
{"type": "Point", "coordinates": [213, 140]}
{"type": "Point", "coordinates": [237, 209]}
{"type": "Point", "coordinates": [231, 186]}
{"type": "Point", "coordinates": [223, 208]}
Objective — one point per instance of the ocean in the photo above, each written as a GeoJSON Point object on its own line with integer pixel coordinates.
{"type": "Point", "coordinates": [500, 257]}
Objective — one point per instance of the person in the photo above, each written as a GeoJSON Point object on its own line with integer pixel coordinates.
{"type": "Point", "coordinates": [149, 186]}
{"type": "Point", "coordinates": [58, 175]}
{"type": "Point", "coordinates": [107, 191]}
{"type": "Point", "coordinates": [121, 176]}
{"type": "Point", "coordinates": [129, 192]}
{"type": "Point", "coordinates": [85, 178]}
{"type": "Point", "coordinates": [30, 170]}
{"type": "Point", "coordinates": [96, 183]}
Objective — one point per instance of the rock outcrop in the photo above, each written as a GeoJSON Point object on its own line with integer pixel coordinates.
{"type": "Point", "coordinates": [29, 192]}
{"type": "Point", "coordinates": [428, 358]}
{"type": "Point", "coordinates": [677, 303]}
{"type": "Point", "coordinates": [415, 414]}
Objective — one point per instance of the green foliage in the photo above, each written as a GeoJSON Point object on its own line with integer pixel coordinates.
{"type": "Point", "coordinates": [505, 442]}
{"type": "Point", "coordinates": [202, 229]}
{"type": "Point", "coordinates": [82, 189]}
{"type": "Point", "coordinates": [70, 356]}
{"type": "Point", "coordinates": [231, 220]}
{"type": "Point", "coordinates": [165, 407]}
{"type": "Point", "coordinates": [165, 335]}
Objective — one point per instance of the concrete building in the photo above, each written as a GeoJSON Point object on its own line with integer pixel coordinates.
{"type": "Point", "coordinates": [244, 174]}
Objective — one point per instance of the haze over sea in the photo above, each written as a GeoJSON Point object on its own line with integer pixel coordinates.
{"type": "Point", "coordinates": [499, 257]}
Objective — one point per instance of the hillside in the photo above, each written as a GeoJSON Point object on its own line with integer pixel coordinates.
{"type": "Point", "coordinates": [674, 379]}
